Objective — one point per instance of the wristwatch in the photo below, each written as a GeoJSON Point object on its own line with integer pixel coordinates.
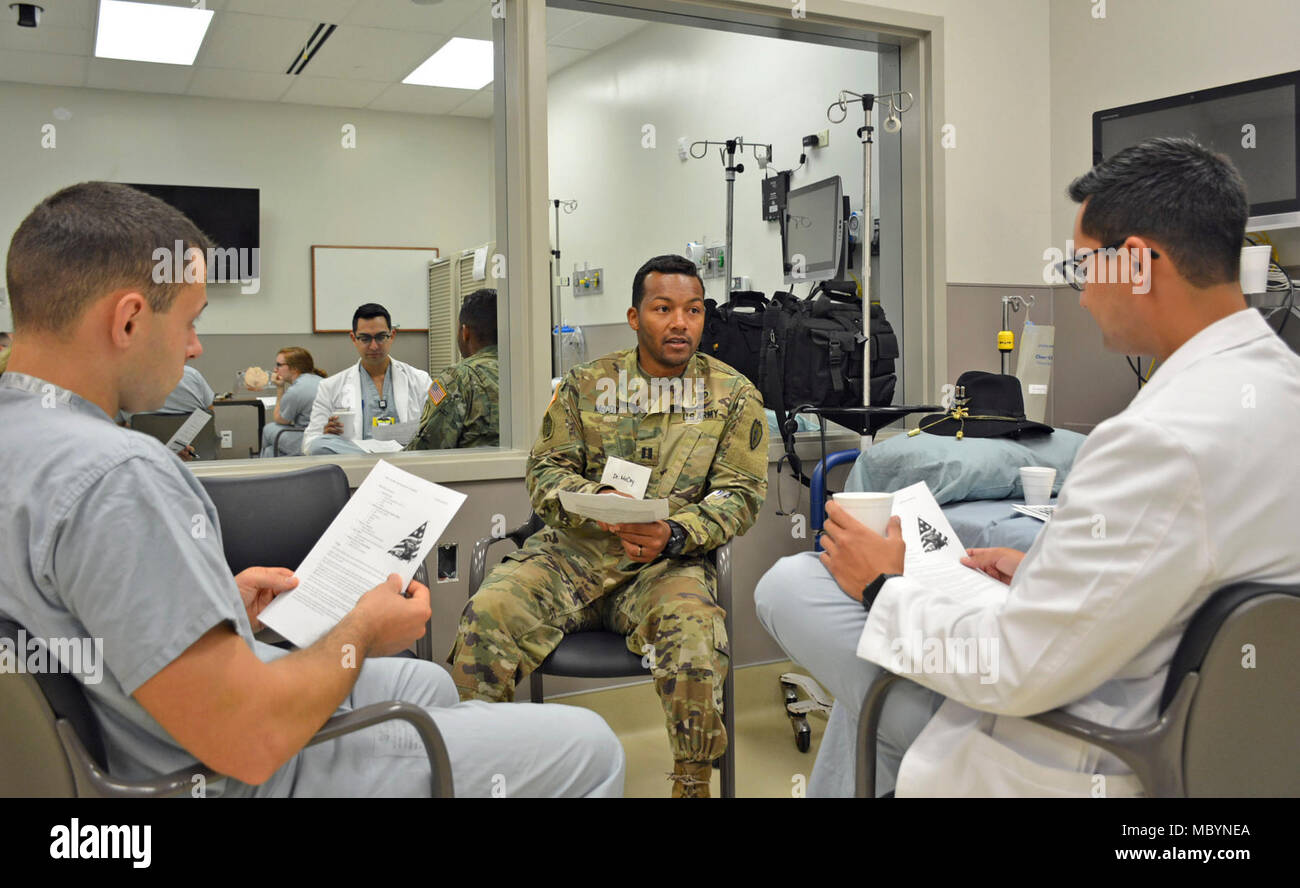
{"type": "Point", "coordinates": [676, 539]}
{"type": "Point", "coordinates": [873, 589]}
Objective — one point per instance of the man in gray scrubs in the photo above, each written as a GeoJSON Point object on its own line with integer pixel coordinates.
{"type": "Point", "coordinates": [108, 537]}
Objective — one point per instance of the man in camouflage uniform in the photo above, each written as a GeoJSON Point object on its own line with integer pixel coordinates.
{"type": "Point", "coordinates": [699, 425]}
{"type": "Point", "coordinates": [463, 408]}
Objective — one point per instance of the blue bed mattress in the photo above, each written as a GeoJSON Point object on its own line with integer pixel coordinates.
{"type": "Point", "coordinates": [987, 523]}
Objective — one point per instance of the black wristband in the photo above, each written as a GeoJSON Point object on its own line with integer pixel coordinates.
{"type": "Point", "coordinates": [873, 589]}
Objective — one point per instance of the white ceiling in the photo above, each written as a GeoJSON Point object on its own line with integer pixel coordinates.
{"type": "Point", "coordinates": [251, 43]}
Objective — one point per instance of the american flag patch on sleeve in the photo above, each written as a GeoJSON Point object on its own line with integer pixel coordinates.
{"type": "Point", "coordinates": [437, 393]}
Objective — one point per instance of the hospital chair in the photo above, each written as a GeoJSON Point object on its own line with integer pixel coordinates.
{"type": "Point", "coordinates": [602, 654]}
{"type": "Point", "coordinates": [51, 744]}
{"type": "Point", "coordinates": [1225, 728]}
{"type": "Point", "coordinates": [274, 520]}
{"type": "Point", "coordinates": [163, 425]}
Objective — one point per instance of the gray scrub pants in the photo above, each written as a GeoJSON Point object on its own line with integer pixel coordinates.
{"type": "Point", "coordinates": [817, 625]}
{"type": "Point", "coordinates": [333, 444]}
{"type": "Point", "coordinates": [512, 750]}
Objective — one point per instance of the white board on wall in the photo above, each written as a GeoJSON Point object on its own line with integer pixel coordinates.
{"type": "Point", "coordinates": [343, 278]}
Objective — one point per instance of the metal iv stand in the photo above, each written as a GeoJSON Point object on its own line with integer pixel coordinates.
{"type": "Point", "coordinates": [728, 151]}
{"type": "Point", "coordinates": [557, 323]}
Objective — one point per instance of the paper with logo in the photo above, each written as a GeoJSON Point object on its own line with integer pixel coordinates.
{"type": "Point", "coordinates": [612, 508]}
{"type": "Point", "coordinates": [185, 434]}
{"type": "Point", "coordinates": [934, 553]}
{"type": "Point", "coordinates": [626, 476]}
{"type": "Point", "coordinates": [388, 526]}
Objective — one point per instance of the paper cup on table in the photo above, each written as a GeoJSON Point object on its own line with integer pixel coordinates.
{"type": "Point", "coordinates": [1037, 483]}
{"type": "Point", "coordinates": [1254, 268]}
{"type": "Point", "coordinates": [872, 509]}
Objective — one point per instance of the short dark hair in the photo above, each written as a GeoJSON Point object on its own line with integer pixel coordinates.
{"type": "Point", "coordinates": [1176, 192]}
{"type": "Point", "coordinates": [87, 240]}
{"type": "Point", "coordinates": [371, 310]}
{"type": "Point", "coordinates": [478, 311]}
{"type": "Point", "coordinates": [669, 263]}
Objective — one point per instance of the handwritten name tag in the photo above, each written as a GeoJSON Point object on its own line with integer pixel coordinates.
{"type": "Point", "coordinates": [626, 477]}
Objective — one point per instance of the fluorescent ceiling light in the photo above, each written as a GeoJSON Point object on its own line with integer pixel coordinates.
{"type": "Point", "coordinates": [147, 32]}
{"type": "Point", "coordinates": [461, 64]}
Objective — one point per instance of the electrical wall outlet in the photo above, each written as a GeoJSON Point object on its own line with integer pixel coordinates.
{"type": "Point", "coordinates": [823, 139]}
{"type": "Point", "coordinates": [448, 570]}
{"type": "Point", "coordinates": [227, 438]}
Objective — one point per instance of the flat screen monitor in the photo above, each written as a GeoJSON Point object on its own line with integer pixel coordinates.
{"type": "Point", "coordinates": [1254, 123]}
{"type": "Point", "coordinates": [812, 238]}
{"type": "Point", "coordinates": [229, 216]}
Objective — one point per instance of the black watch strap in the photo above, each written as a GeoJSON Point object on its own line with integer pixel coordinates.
{"type": "Point", "coordinates": [676, 539]}
{"type": "Point", "coordinates": [873, 589]}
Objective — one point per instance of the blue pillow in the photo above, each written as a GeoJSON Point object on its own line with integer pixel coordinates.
{"type": "Point", "coordinates": [969, 469]}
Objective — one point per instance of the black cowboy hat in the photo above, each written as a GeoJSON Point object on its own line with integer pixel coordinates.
{"type": "Point", "coordinates": [994, 408]}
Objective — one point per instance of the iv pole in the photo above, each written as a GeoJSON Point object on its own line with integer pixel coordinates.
{"type": "Point", "coordinates": [893, 123]}
{"type": "Point", "coordinates": [727, 152]}
{"type": "Point", "coordinates": [556, 323]}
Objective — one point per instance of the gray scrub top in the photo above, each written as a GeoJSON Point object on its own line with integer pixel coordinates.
{"type": "Point", "coordinates": [191, 393]}
{"type": "Point", "coordinates": [295, 403]}
{"type": "Point", "coordinates": [105, 535]}
{"type": "Point", "coordinates": [370, 409]}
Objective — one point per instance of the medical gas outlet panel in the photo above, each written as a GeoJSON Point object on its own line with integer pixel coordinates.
{"type": "Point", "coordinates": [588, 281]}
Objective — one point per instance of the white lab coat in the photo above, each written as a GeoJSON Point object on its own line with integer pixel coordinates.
{"type": "Point", "coordinates": [342, 391]}
{"type": "Point", "coordinates": [1189, 489]}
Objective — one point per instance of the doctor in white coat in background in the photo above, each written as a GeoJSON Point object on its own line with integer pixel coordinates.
{"type": "Point", "coordinates": [1184, 492]}
{"type": "Point", "coordinates": [377, 390]}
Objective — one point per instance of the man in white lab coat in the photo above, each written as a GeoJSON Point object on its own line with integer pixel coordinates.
{"type": "Point", "coordinates": [1179, 495]}
{"type": "Point", "coordinates": [377, 390]}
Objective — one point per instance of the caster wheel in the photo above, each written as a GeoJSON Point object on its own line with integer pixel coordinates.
{"type": "Point", "coordinates": [803, 738]}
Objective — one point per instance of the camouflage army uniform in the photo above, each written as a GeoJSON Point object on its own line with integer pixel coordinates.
{"type": "Point", "coordinates": [709, 462]}
{"type": "Point", "coordinates": [463, 408]}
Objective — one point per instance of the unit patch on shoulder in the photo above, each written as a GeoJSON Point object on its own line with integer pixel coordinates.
{"type": "Point", "coordinates": [755, 434]}
{"type": "Point", "coordinates": [437, 393]}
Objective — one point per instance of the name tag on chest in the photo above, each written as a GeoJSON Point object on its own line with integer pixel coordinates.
{"type": "Point", "coordinates": [626, 477]}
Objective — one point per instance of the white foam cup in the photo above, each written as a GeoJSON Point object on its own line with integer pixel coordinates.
{"type": "Point", "coordinates": [1037, 483]}
{"type": "Point", "coordinates": [349, 420]}
{"type": "Point", "coordinates": [872, 509]}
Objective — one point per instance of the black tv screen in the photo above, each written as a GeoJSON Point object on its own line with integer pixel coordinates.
{"type": "Point", "coordinates": [1256, 123]}
{"type": "Point", "coordinates": [229, 216]}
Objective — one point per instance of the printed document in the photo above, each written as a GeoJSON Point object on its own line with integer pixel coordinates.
{"type": "Point", "coordinates": [612, 508]}
{"type": "Point", "coordinates": [388, 527]}
{"type": "Point", "coordinates": [185, 434]}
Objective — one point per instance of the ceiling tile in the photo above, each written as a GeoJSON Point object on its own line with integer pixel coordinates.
{"type": "Point", "coordinates": [35, 67]}
{"type": "Point", "coordinates": [477, 26]}
{"type": "Point", "coordinates": [257, 86]}
{"type": "Point", "coordinates": [331, 91]}
{"type": "Point", "coordinates": [418, 99]}
{"type": "Point", "coordinates": [597, 31]}
{"type": "Point", "coordinates": [253, 42]}
{"type": "Point", "coordinates": [138, 76]}
{"type": "Point", "coordinates": [558, 57]}
{"type": "Point", "coordinates": [380, 54]}
{"type": "Point", "coordinates": [64, 13]}
{"type": "Point", "coordinates": [560, 20]}
{"type": "Point", "coordinates": [47, 38]}
{"type": "Point", "coordinates": [403, 15]}
{"type": "Point", "coordinates": [479, 106]}
{"type": "Point", "coordinates": [333, 11]}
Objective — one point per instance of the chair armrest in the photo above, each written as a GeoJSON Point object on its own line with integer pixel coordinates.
{"type": "Point", "coordinates": [868, 724]}
{"type": "Point", "coordinates": [92, 781]}
{"type": "Point", "coordinates": [368, 716]}
{"type": "Point", "coordinates": [478, 558]}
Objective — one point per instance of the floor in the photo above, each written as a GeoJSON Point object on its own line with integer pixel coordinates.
{"type": "Point", "coordinates": [768, 765]}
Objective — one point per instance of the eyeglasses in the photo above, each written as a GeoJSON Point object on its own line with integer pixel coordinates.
{"type": "Point", "coordinates": [366, 338]}
{"type": "Point", "coordinates": [281, 364]}
{"type": "Point", "coordinates": [1073, 273]}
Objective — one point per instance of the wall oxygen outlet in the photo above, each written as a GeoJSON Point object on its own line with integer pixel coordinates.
{"type": "Point", "coordinates": [227, 438]}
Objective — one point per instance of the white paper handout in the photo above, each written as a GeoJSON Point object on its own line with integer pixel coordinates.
{"type": "Point", "coordinates": [378, 445]}
{"type": "Point", "coordinates": [388, 526]}
{"type": "Point", "coordinates": [626, 476]}
{"type": "Point", "coordinates": [401, 432]}
{"type": "Point", "coordinates": [185, 434]}
{"type": "Point", "coordinates": [612, 508]}
{"type": "Point", "coordinates": [934, 552]}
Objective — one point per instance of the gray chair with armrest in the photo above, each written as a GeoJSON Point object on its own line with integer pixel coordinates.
{"type": "Point", "coordinates": [1224, 729]}
{"type": "Point", "coordinates": [51, 744]}
{"type": "Point", "coordinates": [603, 654]}
{"type": "Point", "coordinates": [274, 520]}
{"type": "Point", "coordinates": [163, 425]}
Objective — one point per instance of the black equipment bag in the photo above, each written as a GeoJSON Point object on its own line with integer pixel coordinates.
{"type": "Point", "coordinates": [813, 355]}
{"type": "Point", "coordinates": [733, 331]}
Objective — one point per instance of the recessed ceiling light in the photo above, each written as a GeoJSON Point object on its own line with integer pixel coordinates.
{"type": "Point", "coordinates": [462, 63]}
{"type": "Point", "coordinates": [148, 32]}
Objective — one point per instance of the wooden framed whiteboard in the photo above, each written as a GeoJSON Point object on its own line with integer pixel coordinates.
{"type": "Point", "coordinates": [344, 277]}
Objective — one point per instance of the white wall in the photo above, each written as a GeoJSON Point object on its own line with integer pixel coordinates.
{"type": "Point", "coordinates": [1150, 50]}
{"type": "Point", "coordinates": [412, 180]}
{"type": "Point", "coordinates": [635, 202]}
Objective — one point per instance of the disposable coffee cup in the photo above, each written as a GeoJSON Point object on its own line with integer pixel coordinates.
{"type": "Point", "coordinates": [872, 509]}
{"type": "Point", "coordinates": [349, 420]}
{"type": "Point", "coordinates": [1254, 268]}
{"type": "Point", "coordinates": [1037, 483]}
